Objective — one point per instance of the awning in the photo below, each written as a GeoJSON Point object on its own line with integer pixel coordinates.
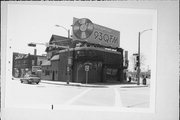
{"type": "Point", "coordinates": [56, 57]}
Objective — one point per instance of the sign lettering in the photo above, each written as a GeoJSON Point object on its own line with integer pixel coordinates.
{"type": "Point", "coordinates": [105, 37]}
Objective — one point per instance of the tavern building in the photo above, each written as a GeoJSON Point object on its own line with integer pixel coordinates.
{"type": "Point", "coordinates": [86, 60]}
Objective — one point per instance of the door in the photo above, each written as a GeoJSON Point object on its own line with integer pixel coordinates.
{"type": "Point", "coordinates": [53, 76]}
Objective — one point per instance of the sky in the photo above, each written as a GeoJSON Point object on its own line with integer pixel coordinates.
{"type": "Point", "coordinates": [36, 23]}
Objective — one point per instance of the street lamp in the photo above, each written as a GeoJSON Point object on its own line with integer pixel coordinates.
{"type": "Point", "coordinates": [69, 59]}
{"type": "Point", "coordinates": [64, 29]}
{"type": "Point", "coordinates": [138, 60]}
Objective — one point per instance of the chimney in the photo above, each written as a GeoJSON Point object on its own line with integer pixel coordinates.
{"type": "Point", "coordinates": [35, 52]}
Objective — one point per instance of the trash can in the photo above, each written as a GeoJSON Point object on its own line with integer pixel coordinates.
{"type": "Point", "coordinates": [129, 79]}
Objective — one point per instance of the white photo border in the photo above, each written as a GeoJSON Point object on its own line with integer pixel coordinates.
{"type": "Point", "coordinates": [7, 63]}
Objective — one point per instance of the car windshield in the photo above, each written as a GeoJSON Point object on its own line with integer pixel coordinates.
{"type": "Point", "coordinates": [30, 75]}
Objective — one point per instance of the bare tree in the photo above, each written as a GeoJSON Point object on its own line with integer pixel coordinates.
{"type": "Point", "coordinates": [133, 60]}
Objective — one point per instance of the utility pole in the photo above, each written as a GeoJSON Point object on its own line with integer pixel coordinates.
{"type": "Point", "coordinates": [139, 61]}
{"type": "Point", "coordinates": [69, 58]}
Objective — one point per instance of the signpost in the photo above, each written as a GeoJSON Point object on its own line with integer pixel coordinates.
{"type": "Point", "coordinates": [86, 67]}
{"type": "Point", "coordinates": [85, 30]}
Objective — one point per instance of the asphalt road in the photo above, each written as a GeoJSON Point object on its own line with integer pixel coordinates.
{"type": "Point", "coordinates": [19, 94]}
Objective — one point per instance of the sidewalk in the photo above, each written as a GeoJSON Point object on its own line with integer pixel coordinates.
{"type": "Point", "coordinates": [71, 84]}
{"type": "Point", "coordinates": [100, 85]}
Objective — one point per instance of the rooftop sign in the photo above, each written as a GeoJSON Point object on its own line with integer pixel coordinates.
{"type": "Point", "coordinates": [85, 30]}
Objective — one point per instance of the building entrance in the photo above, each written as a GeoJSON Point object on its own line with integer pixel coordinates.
{"type": "Point", "coordinates": [53, 76]}
{"type": "Point", "coordinates": [88, 73]}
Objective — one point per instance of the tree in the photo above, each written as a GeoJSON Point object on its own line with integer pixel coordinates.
{"type": "Point", "coordinates": [134, 61]}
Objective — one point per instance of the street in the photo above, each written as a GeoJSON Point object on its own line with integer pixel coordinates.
{"type": "Point", "coordinates": [21, 94]}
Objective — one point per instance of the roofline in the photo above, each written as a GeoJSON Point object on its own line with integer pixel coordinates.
{"type": "Point", "coordinates": [53, 35]}
{"type": "Point", "coordinates": [95, 48]}
{"type": "Point", "coordinates": [89, 48]}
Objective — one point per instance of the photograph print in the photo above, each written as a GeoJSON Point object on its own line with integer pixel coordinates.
{"type": "Point", "coordinates": [81, 57]}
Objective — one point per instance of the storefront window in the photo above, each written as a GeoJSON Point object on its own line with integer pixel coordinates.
{"type": "Point", "coordinates": [111, 71]}
{"type": "Point", "coordinates": [108, 71]}
{"type": "Point", "coordinates": [114, 72]}
{"type": "Point", "coordinates": [47, 72]}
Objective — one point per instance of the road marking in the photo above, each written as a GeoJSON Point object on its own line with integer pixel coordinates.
{"type": "Point", "coordinates": [118, 100]}
{"type": "Point", "coordinates": [77, 97]}
{"type": "Point", "coordinates": [138, 104]}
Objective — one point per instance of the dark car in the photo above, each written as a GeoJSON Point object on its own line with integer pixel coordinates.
{"type": "Point", "coordinates": [30, 79]}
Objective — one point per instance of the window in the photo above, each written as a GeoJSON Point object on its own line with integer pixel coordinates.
{"type": "Point", "coordinates": [33, 62]}
{"type": "Point", "coordinates": [112, 72]}
{"type": "Point", "coordinates": [108, 71]}
{"type": "Point", "coordinates": [47, 72]}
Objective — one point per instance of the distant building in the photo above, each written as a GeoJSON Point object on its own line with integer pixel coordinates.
{"type": "Point", "coordinates": [24, 63]}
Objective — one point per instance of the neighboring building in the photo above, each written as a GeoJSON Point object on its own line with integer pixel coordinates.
{"type": "Point", "coordinates": [24, 63]}
{"type": "Point", "coordinates": [49, 67]}
{"type": "Point", "coordinates": [57, 40]}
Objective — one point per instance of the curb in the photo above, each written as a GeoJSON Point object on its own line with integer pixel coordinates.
{"type": "Point", "coordinates": [78, 85]}
{"type": "Point", "coordinates": [134, 86]}
{"type": "Point", "coordinates": [96, 86]}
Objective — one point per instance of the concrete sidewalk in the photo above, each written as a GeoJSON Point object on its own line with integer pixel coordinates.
{"type": "Point", "coordinates": [98, 85]}
{"type": "Point", "coordinates": [71, 84]}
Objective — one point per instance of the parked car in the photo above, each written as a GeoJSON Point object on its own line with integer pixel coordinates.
{"type": "Point", "coordinates": [30, 79]}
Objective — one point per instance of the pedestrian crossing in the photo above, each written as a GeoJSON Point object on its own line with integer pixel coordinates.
{"type": "Point", "coordinates": [116, 100]}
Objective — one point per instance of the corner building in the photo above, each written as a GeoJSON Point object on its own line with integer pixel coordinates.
{"type": "Point", "coordinates": [105, 64]}
{"type": "Point", "coordinates": [93, 55]}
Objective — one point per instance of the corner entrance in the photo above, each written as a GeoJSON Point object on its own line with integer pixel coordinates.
{"type": "Point", "coordinates": [88, 73]}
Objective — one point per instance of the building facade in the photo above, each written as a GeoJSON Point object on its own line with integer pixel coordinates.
{"type": "Point", "coordinates": [89, 63]}
{"type": "Point", "coordinates": [27, 63]}
{"type": "Point", "coordinates": [91, 55]}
